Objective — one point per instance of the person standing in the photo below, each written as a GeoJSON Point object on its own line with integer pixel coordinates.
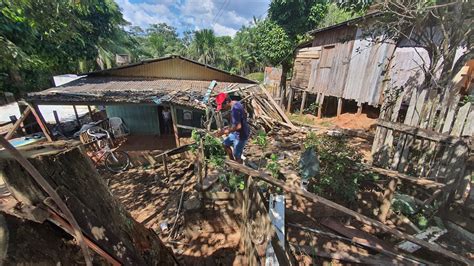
{"type": "Point", "coordinates": [238, 133]}
{"type": "Point", "coordinates": [166, 120]}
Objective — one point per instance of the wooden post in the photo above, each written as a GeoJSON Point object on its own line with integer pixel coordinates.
{"type": "Point", "coordinates": [18, 122]}
{"type": "Point", "coordinates": [174, 119]}
{"type": "Point", "coordinates": [359, 108]}
{"type": "Point", "coordinates": [40, 120]}
{"type": "Point", "coordinates": [387, 199]}
{"type": "Point", "coordinates": [58, 123]}
{"type": "Point", "coordinates": [77, 116]}
{"type": "Point", "coordinates": [165, 164]}
{"type": "Point", "coordinates": [320, 106]}
{"type": "Point", "coordinates": [303, 101]}
{"type": "Point", "coordinates": [90, 112]}
{"type": "Point", "coordinates": [290, 100]}
{"type": "Point", "coordinates": [339, 106]}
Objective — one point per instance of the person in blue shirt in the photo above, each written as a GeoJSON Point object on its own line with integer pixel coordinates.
{"type": "Point", "coordinates": [238, 132]}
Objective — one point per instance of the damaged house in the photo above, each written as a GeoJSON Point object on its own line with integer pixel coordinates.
{"type": "Point", "coordinates": [348, 64]}
{"type": "Point", "coordinates": [138, 93]}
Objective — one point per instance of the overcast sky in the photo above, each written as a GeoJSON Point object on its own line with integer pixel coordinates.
{"type": "Point", "coordinates": [225, 17]}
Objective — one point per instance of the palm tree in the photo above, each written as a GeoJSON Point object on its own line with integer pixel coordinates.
{"type": "Point", "coordinates": [204, 44]}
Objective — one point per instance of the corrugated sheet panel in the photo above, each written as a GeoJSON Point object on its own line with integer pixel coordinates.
{"type": "Point", "coordinates": [366, 70]}
{"type": "Point", "coordinates": [174, 68]}
{"type": "Point", "coordinates": [140, 119]}
{"type": "Point", "coordinates": [405, 67]}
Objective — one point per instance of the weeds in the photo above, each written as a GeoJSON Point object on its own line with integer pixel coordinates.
{"type": "Point", "coordinates": [273, 166]}
{"type": "Point", "coordinates": [341, 170]}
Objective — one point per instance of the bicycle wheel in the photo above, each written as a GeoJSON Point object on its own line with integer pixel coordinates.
{"type": "Point", "coordinates": [117, 161]}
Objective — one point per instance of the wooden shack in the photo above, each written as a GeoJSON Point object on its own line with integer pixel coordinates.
{"type": "Point", "coordinates": [138, 93]}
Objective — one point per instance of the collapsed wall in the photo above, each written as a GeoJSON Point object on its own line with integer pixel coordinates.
{"type": "Point", "coordinates": [100, 216]}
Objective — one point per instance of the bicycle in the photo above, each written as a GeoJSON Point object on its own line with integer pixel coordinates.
{"type": "Point", "coordinates": [115, 161]}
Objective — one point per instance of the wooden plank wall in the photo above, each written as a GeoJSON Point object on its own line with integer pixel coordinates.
{"type": "Point", "coordinates": [431, 140]}
{"type": "Point", "coordinates": [302, 66]}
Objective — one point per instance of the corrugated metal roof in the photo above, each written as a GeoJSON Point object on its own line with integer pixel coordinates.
{"type": "Point", "coordinates": [175, 67]}
{"type": "Point", "coordinates": [109, 90]}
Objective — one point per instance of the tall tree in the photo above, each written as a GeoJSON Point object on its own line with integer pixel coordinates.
{"type": "Point", "coordinates": [42, 38]}
{"type": "Point", "coordinates": [204, 46]}
{"type": "Point", "coordinates": [296, 17]}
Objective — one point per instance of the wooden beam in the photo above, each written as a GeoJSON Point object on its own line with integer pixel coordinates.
{"type": "Point", "coordinates": [303, 102]}
{"type": "Point", "coordinates": [18, 122]}
{"type": "Point", "coordinates": [387, 199]}
{"type": "Point", "coordinates": [317, 199]}
{"type": "Point", "coordinates": [320, 105]}
{"type": "Point", "coordinates": [290, 100]}
{"type": "Point", "coordinates": [420, 181]}
{"type": "Point", "coordinates": [77, 115]}
{"type": "Point", "coordinates": [40, 120]}
{"type": "Point", "coordinates": [174, 119]}
{"type": "Point", "coordinates": [339, 106]}
{"type": "Point", "coordinates": [420, 132]}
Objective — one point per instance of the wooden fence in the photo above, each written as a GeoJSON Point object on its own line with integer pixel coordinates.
{"type": "Point", "coordinates": [430, 140]}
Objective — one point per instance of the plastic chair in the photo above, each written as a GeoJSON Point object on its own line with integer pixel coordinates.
{"type": "Point", "coordinates": [117, 127]}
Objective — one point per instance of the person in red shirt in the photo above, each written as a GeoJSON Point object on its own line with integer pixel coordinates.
{"type": "Point", "coordinates": [238, 132]}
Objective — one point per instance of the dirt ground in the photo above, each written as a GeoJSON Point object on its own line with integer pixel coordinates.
{"type": "Point", "coordinates": [203, 235]}
{"type": "Point", "coordinates": [346, 121]}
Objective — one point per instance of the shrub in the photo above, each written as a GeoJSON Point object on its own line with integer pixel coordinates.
{"type": "Point", "coordinates": [340, 168]}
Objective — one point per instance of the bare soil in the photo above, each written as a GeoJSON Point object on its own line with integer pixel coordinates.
{"type": "Point", "coordinates": [207, 235]}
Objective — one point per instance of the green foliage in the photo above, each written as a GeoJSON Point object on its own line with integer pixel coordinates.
{"type": "Point", "coordinates": [312, 108]}
{"type": "Point", "coordinates": [236, 182]}
{"type": "Point", "coordinates": [261, 139]}
{"type": "Point", "coordinates": [256, 76]}
{"type": "Point", "coordinates": [340, 168]}
{"type": "Point", "coordinates": [213, 150]}
{"type": "Point", "coordinates": [274, 166]}
{"type": "Point", "coordinates": [273, 42]}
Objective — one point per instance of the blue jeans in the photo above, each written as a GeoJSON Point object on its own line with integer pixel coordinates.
{"type": "Point", "coordinates": [238, 144]}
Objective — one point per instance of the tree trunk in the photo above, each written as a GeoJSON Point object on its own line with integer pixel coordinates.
{"type": "Point", "coordinates": [284, 69]}
{"type": "Point", "coordinates": [98, 213]}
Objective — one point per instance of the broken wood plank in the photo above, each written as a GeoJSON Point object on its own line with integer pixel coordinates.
{"type": "Point", "coordinates": [18, 122]}
{"type": "Point", "coordinates": [343, 256]}
{"type": "Point", "coordinates": [362, 218]}
{"type": "Point", "coordinates": [430, 234]}
{"type": "Point", "coordinates": [40, 120]}
{"type": "Point", "coordinates": [276, 106]}
{"type": "Point", "coordinates": [469, 126]}
{"type": "Point", "coordinates": [360, 237]}
{"type": "Point", "coordinates": [420, 181]}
